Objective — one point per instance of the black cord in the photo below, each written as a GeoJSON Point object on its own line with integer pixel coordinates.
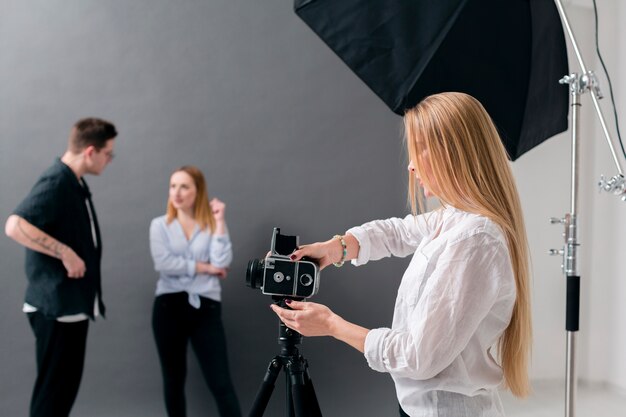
{"type": "Point", "coordinates": [619, 136]}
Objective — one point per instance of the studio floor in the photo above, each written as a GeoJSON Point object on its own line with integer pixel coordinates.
{"type": "Point", "coordinates": [548, 400]}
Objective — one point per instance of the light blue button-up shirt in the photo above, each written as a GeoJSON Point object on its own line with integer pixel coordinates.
{"type": "Point", "coordinates": [175, 259]}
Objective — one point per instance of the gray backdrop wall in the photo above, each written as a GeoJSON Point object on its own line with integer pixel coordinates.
{"type": "Point", "coordinates": [286, 135]}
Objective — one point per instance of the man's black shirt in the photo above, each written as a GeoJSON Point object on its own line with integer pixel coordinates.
{"type": "Point", "coordinates": [57, 204]}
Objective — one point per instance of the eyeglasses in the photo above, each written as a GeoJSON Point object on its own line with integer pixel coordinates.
{"type": "Point", "coordinates": [110, 155]}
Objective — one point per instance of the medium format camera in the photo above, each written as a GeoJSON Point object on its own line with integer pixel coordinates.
{"type": "Point", "coordinates": [278, 275]}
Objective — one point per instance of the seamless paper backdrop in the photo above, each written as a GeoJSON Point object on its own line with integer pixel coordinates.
{"type": "Point", "coordinates": [285, 137]}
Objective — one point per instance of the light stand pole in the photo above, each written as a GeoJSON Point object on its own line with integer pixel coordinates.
{"type": "Point", "coordinates": [578, 85]}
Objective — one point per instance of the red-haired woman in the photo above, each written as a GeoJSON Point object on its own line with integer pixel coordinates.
{"type": "Point", "coordinates": [191, 250]}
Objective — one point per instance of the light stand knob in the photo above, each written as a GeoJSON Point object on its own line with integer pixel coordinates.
{"type": "Point", "coordinates": [558, 252]}
{"type": "Point", "coordinates": [615, 185]}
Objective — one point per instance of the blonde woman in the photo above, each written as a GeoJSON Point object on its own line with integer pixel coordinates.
{"type": "Point", "coordinates": [191, 250]}
{"type": "Point", "coordinates": [461, 327]}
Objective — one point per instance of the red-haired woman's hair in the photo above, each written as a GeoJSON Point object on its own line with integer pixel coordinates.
{"type": "Point", "coordinates": [202, 212]}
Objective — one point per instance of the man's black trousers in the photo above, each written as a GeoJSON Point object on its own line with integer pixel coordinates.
{"type": "Point", "coordinates": [60, 351]}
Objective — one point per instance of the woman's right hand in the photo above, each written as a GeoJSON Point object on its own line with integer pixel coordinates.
{"type": "Point", "coordinates": [323, 253]}
{"type": "Point", "coordinates": [210, 269]}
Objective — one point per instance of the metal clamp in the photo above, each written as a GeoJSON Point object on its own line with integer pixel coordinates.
{"type": "Point", "coordinates": [615, 185]}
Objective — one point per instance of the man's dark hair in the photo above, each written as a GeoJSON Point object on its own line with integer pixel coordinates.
{"type": "Point", "coordinates": [91, 131]}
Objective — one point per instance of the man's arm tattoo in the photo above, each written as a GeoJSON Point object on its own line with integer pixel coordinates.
{"type": "Point", "coordinates": [56, 248]}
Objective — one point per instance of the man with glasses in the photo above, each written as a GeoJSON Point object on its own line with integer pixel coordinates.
{"type": "Point", "coordinates": [57, 224]}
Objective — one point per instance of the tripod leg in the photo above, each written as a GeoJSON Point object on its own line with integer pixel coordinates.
{"type": "Point", "coordinates": [266, 388]}
{"type": "Point", "coordinates": [313, 404]}
{"type": "Point", "coordinates": [290, 411]}
{"type": "Point", "coordinates": [304, 399]}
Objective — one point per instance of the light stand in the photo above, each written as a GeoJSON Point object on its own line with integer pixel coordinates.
{"type": "Point", "coordinates": [578, 85]}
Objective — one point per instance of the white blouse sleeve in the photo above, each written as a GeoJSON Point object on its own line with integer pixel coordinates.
{"type": "Point", "coordinates": [221, 251]}
{"type": "Point", "coordinates": [469, 278]}
{"type": "Point", "coordinates": [164, 260]}
{"type": "Point", "coordinates": [392, 237]}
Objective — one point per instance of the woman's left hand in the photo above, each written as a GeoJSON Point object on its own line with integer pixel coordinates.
{"type": "Point", "coordinates": [219, 208]}
{"type": "Point", "coordinates": [207, 268]}
{"type": "Point", "coordinates": [308, 319]}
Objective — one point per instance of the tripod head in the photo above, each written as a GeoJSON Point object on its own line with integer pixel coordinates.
{"type": "Point", "coordinates": [288, 339]}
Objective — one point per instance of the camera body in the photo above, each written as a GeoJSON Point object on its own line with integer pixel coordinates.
{"type": "Point", "coordinates": [277, 275]}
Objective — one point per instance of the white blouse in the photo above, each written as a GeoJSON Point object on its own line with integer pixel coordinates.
{"type": "Point", "coordinates": [454, 302]}
{"type": "Point", "coordinates": [175, 259]}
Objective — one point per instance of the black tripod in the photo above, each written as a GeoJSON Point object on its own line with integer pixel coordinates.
{"type": "Point", "coordinates": [301, 400]}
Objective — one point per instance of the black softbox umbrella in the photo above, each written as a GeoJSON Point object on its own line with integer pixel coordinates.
{"type": "Point", "coordinates": [509, 54]}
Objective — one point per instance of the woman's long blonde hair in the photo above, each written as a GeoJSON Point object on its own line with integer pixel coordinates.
{"type": "Point", "coordinates": [470, 171]}
{"type": "Point", "coordinates": [202, 212]}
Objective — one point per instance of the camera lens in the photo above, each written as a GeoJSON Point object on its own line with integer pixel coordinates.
{"type": "Point", "coordinates": [254, 273]}
{"type": "Point", "coordinates": [306, 280]}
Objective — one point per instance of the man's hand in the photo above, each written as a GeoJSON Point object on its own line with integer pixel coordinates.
{"type": "Point", "coordinates": [33, 238]}
{"type": "Point", "coordinates": [73, 264]}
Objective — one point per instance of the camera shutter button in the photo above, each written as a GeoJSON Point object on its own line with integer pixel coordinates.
{"type": "Point", "coordinates": [279, 277]}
